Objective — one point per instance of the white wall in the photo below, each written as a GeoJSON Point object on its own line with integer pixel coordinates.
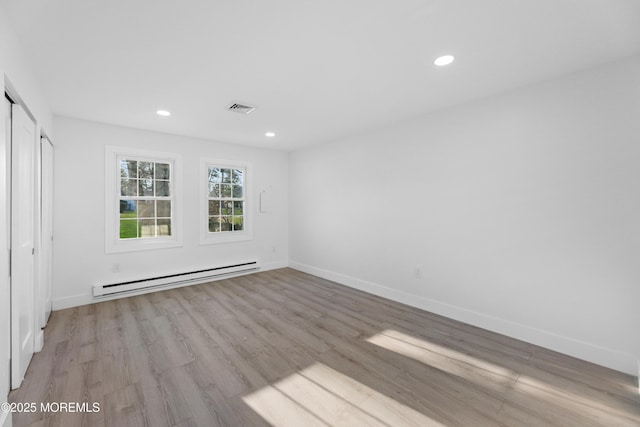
{"type": "Point", "coordinates": [80, 261]}
{"type": "Point", "coordinates": [14, 68]}
{"type": "Point", "coordinates": [20, 73]}
{"type": "Point", "coordinates": [521, 212]}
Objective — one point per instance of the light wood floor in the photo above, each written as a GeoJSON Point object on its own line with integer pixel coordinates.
{"type": "Point", "coordinates": [285, 348]}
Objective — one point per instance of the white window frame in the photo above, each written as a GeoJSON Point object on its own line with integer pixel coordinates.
{"type": "Point", "coordinates": [113, 243]}
{"type": "Point", "coordinates": [206, 237]}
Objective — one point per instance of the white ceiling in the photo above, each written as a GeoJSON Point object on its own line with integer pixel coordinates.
{"type": "Point", "coordinates": [316, 70]}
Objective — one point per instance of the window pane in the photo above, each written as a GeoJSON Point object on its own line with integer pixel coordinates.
{"type": "Point", "coordinates": [226, 190]}
{"type": "Point", "coordinates": [226, 208]}
{"type": "Point", "coordinates": [148, 228]}
{"type": "Point", "coordinates": [146, 197]}
{"type": "Point", "coordinates": [214, 207]}
{"type": "Point", "coordinates": [215, 176]}
{"type": "Point", "coordinates": [214, 224]}
{"type": "Point", "coordinates": [162, 189]}
{"type": "Point", "coordinates": [129, 187]}
{"type": "Point", "coordinates": [238, 208]}
{"type": "Point", "coordinates": [146, 209]}
{"type": "Point", "coordinates": [128, 209]}
{"type": "Point", "coordinates": [238, 176]}
{"type": "Point", "coordinates": [164, 227]}
{"type": "Point", "coordinates": [145, 170]}
{"type": "Point", "coordinates": [226, 175]}
{"type": "Point", "coordinates": [164, 209]}
{"type": "Point", "coordinates": [145, 187]}
{"type": "Point", "coordinates": [237, 223]}
{"type": "Point", "coordinates": [214, 190]}
{"type": "Point", "coordinates": [226, 203]}
{"type": "Point", "coordinates": [163, 171]}
{"type": "Point", "coordinates": [128, 228]}
{"type": "Point", "coordinates": [128, 169]}
{"type": "Point", "coordinates": [226, 223]}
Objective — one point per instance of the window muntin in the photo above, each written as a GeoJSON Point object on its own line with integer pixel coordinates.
{"type": "Point", "coordinates": [225, 199]}
{"type": "Point", "coordinates": [145, 199]}
{"type": "Point", "coordinates": [143, 202]}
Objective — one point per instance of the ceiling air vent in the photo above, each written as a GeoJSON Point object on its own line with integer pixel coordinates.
{"type": "Point", "coordinates": [240, 108]}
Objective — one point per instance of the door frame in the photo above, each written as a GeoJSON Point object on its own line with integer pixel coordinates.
{"type": "Point", "coordinates": [37, 302]}
{"type": "Point", "coordinates": [5, 245]}
{"type": "Point", "coordinates": [44, 241]}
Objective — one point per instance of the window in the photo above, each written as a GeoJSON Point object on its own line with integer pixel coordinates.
{"type": "Point", "coordinates": [141, 197]}
{"type": "Point", "coordinates": [145, 199]}
{"type": "Point", "coordinates": [225, 210]}
{"type": "Point", "coordinates": [226, 199]}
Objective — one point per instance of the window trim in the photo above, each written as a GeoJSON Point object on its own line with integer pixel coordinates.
{"type": "Point", "coordinates": [208, 238]}
{"type": "Point", "coordinates": [113, 243]}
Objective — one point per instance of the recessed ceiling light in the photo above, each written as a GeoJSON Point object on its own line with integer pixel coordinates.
{"type": "Point", "coordinates": [444, 60]}
{"type": "Point", "coordinates": [163, 113]}
{"type": "Point", "coordinates": [270, 134]}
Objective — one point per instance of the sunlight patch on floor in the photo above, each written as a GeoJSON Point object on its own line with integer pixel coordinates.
{"type": "Point", "coordinates": [498, 378]}
{"type": "Point", "coordinates": [443, 358]}
{"type": "Point", "coordinates": [321, 396]}
{"type": "Point", "coordinates": [571, 397]}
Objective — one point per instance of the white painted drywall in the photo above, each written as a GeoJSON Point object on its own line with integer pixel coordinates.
{"type": "Point", "coordinates": [80, 261]}
{"type": "Point", "coordinates": [20, 73]}
{"type": "Point", "coordinates": [521, 213]}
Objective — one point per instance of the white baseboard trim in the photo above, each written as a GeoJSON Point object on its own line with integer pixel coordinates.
{"type": "Point", "coordinates": [582, 350]}
{"type": "Point", "coordinates": [638, 377]}
{"type": "Point", "coordinates": [274, 265]}
{"type": "Point", "coordinates": [5, 418]}
{"type": "Point", "coordinates": [72, 301]}
{"type": "Point", "coordinates": [84, 299]}
{"type": "Point", "coordinates": [38, 341]}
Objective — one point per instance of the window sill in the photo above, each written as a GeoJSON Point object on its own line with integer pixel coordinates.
{"type": "Point", "coordinates": [216, 238]}
{"type": "Point", "coordinates": [141, 245]}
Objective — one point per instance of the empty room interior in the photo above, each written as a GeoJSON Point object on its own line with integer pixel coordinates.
{"type": "Point", "coordinates": [292, 213]}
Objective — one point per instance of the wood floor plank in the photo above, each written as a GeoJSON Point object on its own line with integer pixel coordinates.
{"type": "Point", "coordinates": [185, 400]}
{"type": "Point", "coordinates": [59, 326]}
{"type": "Point", "coordinates": [123, 408]}
{"type": "Point", "coordinates": [285, 348]}
{"type": "Point", "coordinates": [608, 380]}
{"type": "Point", "coordinates": [142, 308]}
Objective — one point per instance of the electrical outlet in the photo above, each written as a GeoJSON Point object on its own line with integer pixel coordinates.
{"type": "Point", "coordinates": [115, 268]}
{"type": "Point", "coordinates": [417, 273]}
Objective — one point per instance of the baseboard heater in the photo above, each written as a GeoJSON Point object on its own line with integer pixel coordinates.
{"type": "Point", "coordinates": [174, 280]}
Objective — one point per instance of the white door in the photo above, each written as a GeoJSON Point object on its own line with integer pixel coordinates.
{"type": "Point", "coordinates": [47, 229]}
{"type": "Point", "coordinates": [22, 243]}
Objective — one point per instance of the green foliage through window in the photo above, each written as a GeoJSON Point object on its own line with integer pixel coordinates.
{"type": "Point", "coordinates": [145, 199]}
{"type": "Point", "coordinates": [226, 199]}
